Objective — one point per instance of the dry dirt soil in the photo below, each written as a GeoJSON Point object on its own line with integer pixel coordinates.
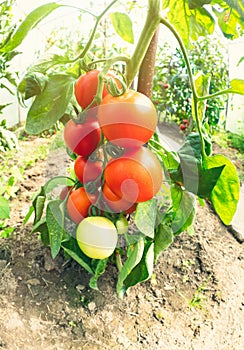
{"type": "Point", "coordinates": [193, 302]}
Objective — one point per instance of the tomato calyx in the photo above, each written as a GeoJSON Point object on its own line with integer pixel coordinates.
{"type": "Point", "coordinates": [113, 150]}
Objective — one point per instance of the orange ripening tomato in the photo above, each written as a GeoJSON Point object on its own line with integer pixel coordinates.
{"type": "Point", "coordinates": [136, 176]}
{"type": "Point", "coordinates": [86, 87]}
{"type": "Point", "coordinates": [115, 203]}
{"type": "Point", "coordinates": [87, 170]}
{"type": "Point", "coordinates": [83, 138]}
{"type": "Point", "coordinates": [78, 204]}
{"type": "Point", "coordinates": [128, 120]}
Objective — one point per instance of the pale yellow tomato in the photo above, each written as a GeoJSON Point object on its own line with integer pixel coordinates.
{"type": "Point", "coordinates": [97, 237]}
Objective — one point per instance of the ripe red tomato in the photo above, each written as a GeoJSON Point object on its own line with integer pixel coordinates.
{"type": "Point", "coordinates": [128, 120]}
{"type": "Point", "coordinates": [86, 87]}
{"type": "Point", "coordinates": [116, 203]}
{"type": "Point", "coordinates": [87, 170]}
{"type": "Point", "coordinates": [182, 127]}
{"type": "Point", "coordinates": [136, 176]}
{"type": "Point", "coordinates": [78, 204]}
{"type": "Point", "coordinates": [84, 138]}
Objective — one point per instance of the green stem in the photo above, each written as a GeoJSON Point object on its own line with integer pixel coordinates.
{"type": "Point", "coordinates": [150, 27]}
{"type": "Point", "coordinates": [216, 94]}
{"type": "Point", "coordinates": [196, 98]}
{"type": "Point", "coordinates": [118, 260]}
{"type": "Point", "coordinates": [98, 19]}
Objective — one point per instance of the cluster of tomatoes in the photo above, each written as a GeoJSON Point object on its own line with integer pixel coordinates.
{"type": "Point", "coordinates": [114, 168]}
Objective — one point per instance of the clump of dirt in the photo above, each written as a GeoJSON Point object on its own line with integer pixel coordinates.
{"type": "Point", "coordinates": [193, 301]}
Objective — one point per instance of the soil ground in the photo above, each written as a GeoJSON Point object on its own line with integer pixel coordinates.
{"type": "Point", "coordinates": [194, 301]}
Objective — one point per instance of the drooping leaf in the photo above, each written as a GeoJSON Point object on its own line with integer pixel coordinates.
{"type": "Point", "coordinates": [30, 22]}
{"type": "Point", "coordinates": [135, 253]}
{"type": "Point", "coordinates": [48, 107]}
{"type": "Point", "coordinates": [184, 204]}
{"type": "Point", "coordinates": [4, 208]}
{"type": "Point", "coordinates": [45, 63]}
{"type": "Point", "coordinates": [57, 181]}
{"type": "Point", "coordinates": [38, 204]}
{"type": "Point", "coordinates": [142, 271]}
{"type": "Point", "coordinates": [55, 224]}
{"type": "Point", "coordinates": [163, 238]}
{"type": "Point", "coordinates": [41, 226]}
{"type": "Point", "coordinates": [202, 83]}
{"type": "Point", "coordinates": [98, 271]}
{"type": "Point", "coordinates": [145, 217]}
{"type": "Point", "coordinates": [226, 192]}
{"type": "Point", "coordinates": [123, 26]}
{"type": "Point", "coordinates": [33, 84]}
{"type": "Point", "coordinates": [190, 23]}
{"type": "Point", "coordinates": [73, 250]}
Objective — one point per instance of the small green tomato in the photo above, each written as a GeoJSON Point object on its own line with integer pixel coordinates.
{"type": "Point", "coordinates": [122, 225]}
{"type": "Point", "coordinates": [97, 237]}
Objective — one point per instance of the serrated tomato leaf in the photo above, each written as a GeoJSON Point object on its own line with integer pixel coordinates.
{"type": "Point", "coordinates": [32, 84]}
{"type": "Point", "coordinates": [55, 224]}
{"type": "Point", "coordinates": [73, 250]}
{"type": "Point", "coordinates": [145, 217]}
{"type": "Point", "coordinates": [135, 253]}
{"type": "Point", "coordinates": [48, 107]}
{"type": "Point", "coordinates": [226, 192]}
{"type": "Point", "coordinates": [123, 26]}
{"type": "Point", "coordinates": [184, 204]}
{"type": "Point", "coordinates": [30, 22]}
{"type": "Point", "coordinates": [142, 271]}
{"type": "Point", "coordinates": [163, 238]}
{"type": "Point", "coordinates": [98, 271]}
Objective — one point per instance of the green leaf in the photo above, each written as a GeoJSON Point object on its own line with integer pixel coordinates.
{"type": "Point", "coordinates": [123, 26]}
{"type": "Point", "coordinates": [226, 192]}
{"type": "Point", "coordinates": [190, 23]}
{"type": "Point", "coordinates": [45, 63]}
{"type": "Point", "coordinates": [39, 207]}
{"type": "Point", "coordinates": [237, 86]}
{"type": "Point", "coordinates": [33, 84]}
{"type": "Point", "coordinates": [55, 224]}
{"type": "Point", "coordinates": [135, 253]}
{"type": "Point", "coordinates": [207, 180]}
{"type": "Point", "coordinates": [99, 270]}
{"type": "Point", "coordinates": [230, 17]}
{"type": "Point", "coordinates": [163, 238]}
{"type": "Point", "coordinates": [41, 226]}
{"type": "Point", "coordinates": [72, 249]}
{"type": "Point", "coordinates": [4, 208]}
{"type": "Point", "coordinates": [30, 22]}
{"type": "Point", "coordinates": [145, 217]}
{"type": "Point", "coordinates": [184, 204]}
{"type": "Point", "coordinates": [143, 271]}
{"type": "Point", "coordinates": [48, 107]}
{"type": "Point", "coordinates": [202, 83]}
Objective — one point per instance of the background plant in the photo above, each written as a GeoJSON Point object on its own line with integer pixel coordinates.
{"type": "Point", "coordinates": [171, 90]}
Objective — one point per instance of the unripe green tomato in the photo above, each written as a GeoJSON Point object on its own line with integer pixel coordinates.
{"type": "Point", "coordinates": [122, 225]}
{"type": "Point", "coordinates": [97, 237]}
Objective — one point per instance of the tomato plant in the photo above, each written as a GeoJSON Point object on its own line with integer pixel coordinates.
{"type": "Point", "coordinates": [123, 121]}
{"type": "Point", "coordinates": [128, 120]}
{"type": "Point", "coordinates": [82, 137]}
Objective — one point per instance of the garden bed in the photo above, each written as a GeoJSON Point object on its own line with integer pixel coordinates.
{"type": "Point", "coordinates": [193, 301]}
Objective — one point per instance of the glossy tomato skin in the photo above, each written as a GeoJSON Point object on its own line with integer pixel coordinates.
{"type": "Point", "coordinates": [136, 176]}
{"type": "Point", "coordinates": [86, 88]}
{"type": "Point", "coordinates": [83, 138]}
{"type": "Point", "coordinates": [78, 204]}
{"type": "Point", "coordinates": [116, 203]}
{"type": "Point", "coordinates": [128, 120]}
{"type": "Point", "coordinates": [87, 170]}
